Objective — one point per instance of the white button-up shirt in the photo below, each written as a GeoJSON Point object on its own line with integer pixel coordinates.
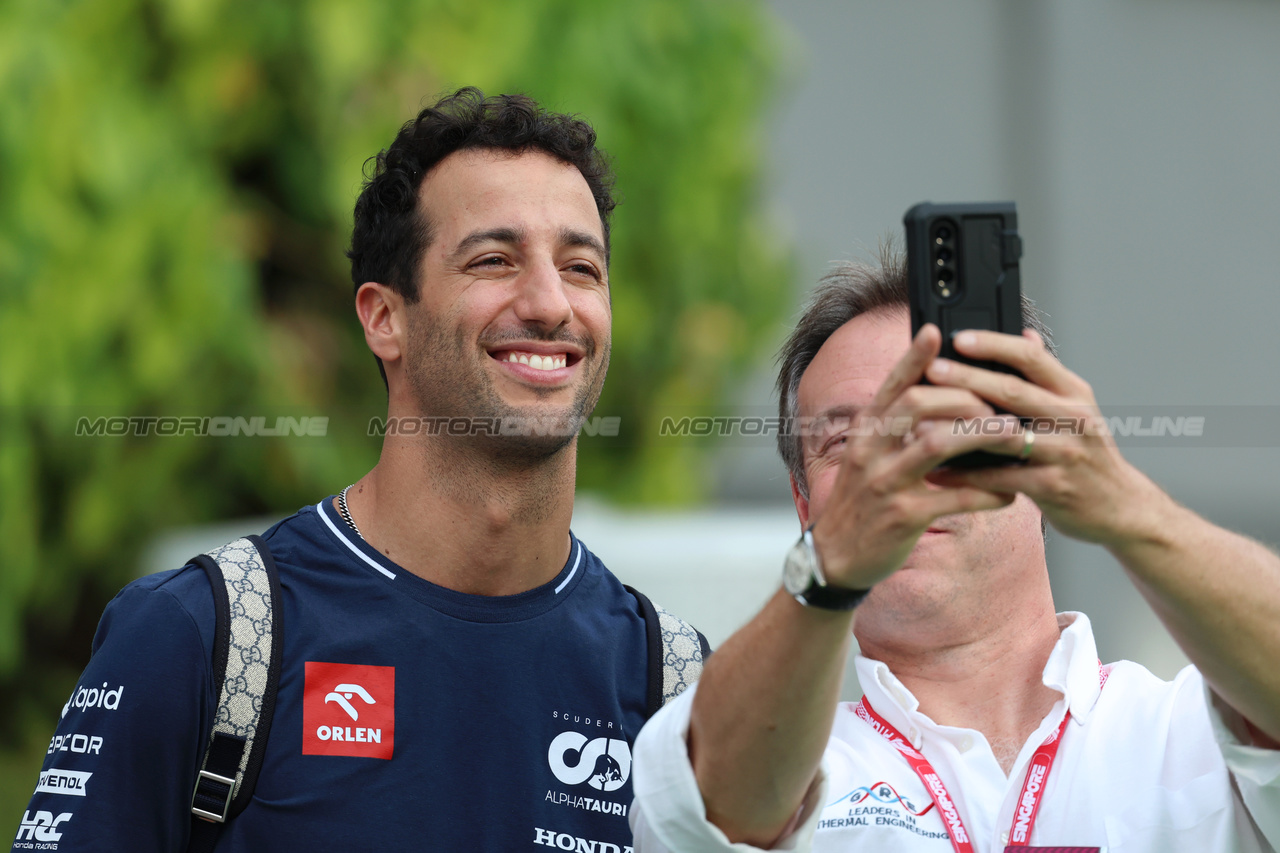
{"type": "Point", "coordinates": [1144, 765]}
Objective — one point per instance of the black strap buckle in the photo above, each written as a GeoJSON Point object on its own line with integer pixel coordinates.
{"type": "Point", "coordinates": [212, 797]}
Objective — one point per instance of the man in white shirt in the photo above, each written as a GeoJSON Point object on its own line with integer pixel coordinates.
{"type": "Point", "coordinates": [987, 720]}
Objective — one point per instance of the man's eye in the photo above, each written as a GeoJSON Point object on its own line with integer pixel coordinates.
{"type": "Point", "coordinates": [585, 269]}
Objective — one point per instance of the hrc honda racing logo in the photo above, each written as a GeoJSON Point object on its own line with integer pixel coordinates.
{"type": "Point", "coordinates": [349, 709]}
{"type": "Point", "coordinates": [42, 827]}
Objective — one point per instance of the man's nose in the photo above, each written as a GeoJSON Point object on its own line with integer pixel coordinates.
{"type": "Point", "coordinates": [543, 298]}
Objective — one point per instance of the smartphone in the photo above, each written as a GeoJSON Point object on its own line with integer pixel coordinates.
{"type": "Point", "coordinates": [962, 273]}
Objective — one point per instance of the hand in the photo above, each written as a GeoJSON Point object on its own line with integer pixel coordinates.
{"type": "Point", "coordinates": [1074, 471]}
{"type": "Point", "coordinates": [881, 501]}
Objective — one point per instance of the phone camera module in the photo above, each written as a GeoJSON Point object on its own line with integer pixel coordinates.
{"type": "Point", "coordinates": [945, 285]}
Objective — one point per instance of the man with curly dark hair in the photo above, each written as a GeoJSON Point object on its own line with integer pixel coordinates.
{"type": "Point", "coordinates": [458, 671]}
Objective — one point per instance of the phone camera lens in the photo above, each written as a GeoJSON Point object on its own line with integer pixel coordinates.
{"type": "Point", "coordinates": [942, 256]}
{"type": "Point", "coordinates": [942, 235]}
{"type": "Point", "coordinates": [945, 276]}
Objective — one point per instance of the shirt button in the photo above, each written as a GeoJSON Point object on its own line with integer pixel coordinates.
{"type": "Point", "coordinates": [1004, 837]}
{"type": "Point", "coordinates": [966, 744]}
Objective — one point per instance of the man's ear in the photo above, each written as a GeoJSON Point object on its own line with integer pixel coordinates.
{"type": "Point", "coordinates": [381, 313]}
{"type": "Point", "coordinates": [802, 503]}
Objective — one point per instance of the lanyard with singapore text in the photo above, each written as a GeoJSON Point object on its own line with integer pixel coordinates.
{"type": "Point", "coordinates": [1024, 817]}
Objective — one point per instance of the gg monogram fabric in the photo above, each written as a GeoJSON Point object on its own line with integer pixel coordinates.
{"type": "Point", "coordinates": [682, 655]}
{"type": "Point", "coordinates": [249, 654]}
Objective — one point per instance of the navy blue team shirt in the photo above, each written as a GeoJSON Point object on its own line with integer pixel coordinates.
{"type": "Point", "coordinates": [409, 716]}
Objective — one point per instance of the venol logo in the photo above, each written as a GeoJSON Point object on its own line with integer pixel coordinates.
{"type": "Point", "coordinates": [349, 709]}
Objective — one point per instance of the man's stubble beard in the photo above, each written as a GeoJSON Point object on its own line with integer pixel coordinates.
{"type": "Point", "coordinates": [465, 390]}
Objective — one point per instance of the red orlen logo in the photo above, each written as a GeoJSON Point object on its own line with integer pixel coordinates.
{"type": "Point", "coordinates": [349, 709]}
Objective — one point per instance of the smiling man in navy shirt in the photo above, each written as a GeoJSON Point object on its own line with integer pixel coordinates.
{"type": "Point", "coordinates": [458, 671]}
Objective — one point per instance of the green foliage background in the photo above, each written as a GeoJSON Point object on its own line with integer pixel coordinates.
{"type": "Point", "coordinates": [176, 184]}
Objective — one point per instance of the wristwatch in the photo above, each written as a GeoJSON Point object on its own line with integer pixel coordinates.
{"type": "Point", "coordinates": [802, 577]}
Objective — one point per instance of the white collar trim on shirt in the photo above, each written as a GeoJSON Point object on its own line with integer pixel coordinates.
{"type": "Point", "coordinates": [1072, 669]}
{"type": "Point", "coordinates": [342, 537]}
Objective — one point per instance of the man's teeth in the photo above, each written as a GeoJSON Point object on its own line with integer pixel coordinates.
{"type": "Point", "coordinates": [538, 362]}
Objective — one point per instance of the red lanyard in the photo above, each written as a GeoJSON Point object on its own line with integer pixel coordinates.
{"type": "Point", "coordinates": [1024, 817]}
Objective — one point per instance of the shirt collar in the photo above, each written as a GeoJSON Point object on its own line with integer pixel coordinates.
{"type": "Point", "coordinates": [1072, 669]}
{"type": "Point", "coordinates": [1073, 665]}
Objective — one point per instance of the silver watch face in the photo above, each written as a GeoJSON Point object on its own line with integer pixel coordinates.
{"type": "Point", "coordinates": [797, 573]}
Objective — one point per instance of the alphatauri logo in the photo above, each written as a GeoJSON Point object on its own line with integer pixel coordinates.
{"type": "Point", "coordinates": [349, 709]}
{"type": "Point", "coordinates": [603, 763]}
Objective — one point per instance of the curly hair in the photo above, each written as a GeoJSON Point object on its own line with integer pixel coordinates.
{"type": "Point", "coordinates": [391, 232]}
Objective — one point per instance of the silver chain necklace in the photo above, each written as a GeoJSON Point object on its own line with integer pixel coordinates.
{"type": "Point", "coordinates": [346, 513]}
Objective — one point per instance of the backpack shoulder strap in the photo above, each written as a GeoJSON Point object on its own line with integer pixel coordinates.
{"type": "Point", "coordinates": [246, 669]}
{"type": "Point", "coordinates": [676, 652]}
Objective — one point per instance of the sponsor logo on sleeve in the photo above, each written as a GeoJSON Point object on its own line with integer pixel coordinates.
{"type": "Point", "coordinates": [89, 698]}
{"type": "Point", "coordinates": [349, 709]}
{"type": "Point", "coordinates": [75, 742]}
{"type": "Point", "coordinates": [43, 827]}
{"type": "Point", "coordinates": [69, 782]}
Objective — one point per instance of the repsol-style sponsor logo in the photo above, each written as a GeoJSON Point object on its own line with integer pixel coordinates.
{"type": "Point", "coordinates": [565, 841]}
{"type": "Point", "coordinates": [41, 827]}
{"type": "Point", "coordinates": [75, 742]}
{"type": "Point", "coordinates": [603, 763]}
{"type": "Point", "coordinates": [590, 804]}
{"type": "Point", "coordinates": [349, 709]}
{"type": "Point", "coordinates": [89, 698]}
{"type": "Point", "coordinates": [69, 782]}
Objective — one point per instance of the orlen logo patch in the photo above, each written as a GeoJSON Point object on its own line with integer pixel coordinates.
{"type": "Point", "coordinates": [349, 709]}
{"type": "Point", "coordinates": [603, 763]}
